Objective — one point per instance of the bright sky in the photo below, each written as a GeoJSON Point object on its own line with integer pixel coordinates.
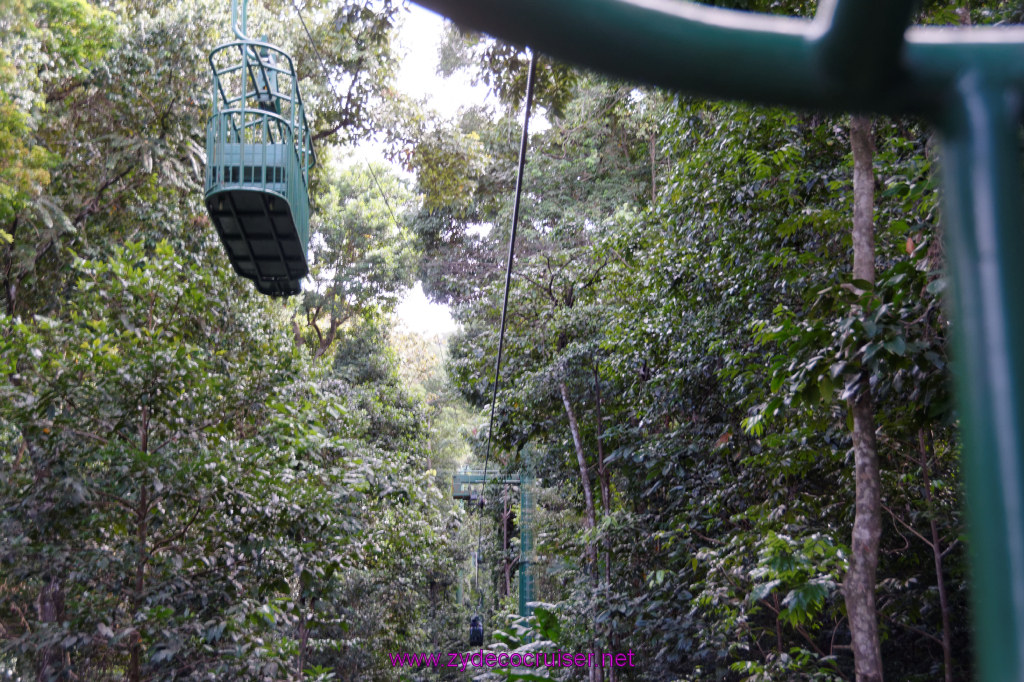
{"type": "Point", "coordinates": [423, 317]}
{"type": "Point", "coordinates": [418, 41]}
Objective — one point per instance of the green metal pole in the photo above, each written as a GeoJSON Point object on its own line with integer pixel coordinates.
{"type": "Point", "coordinates": [985, 236]}
{"type": "Point", "coordinates": [239, 19]}
{"type": "Point", "coordinates": [527, 506]}
{"type": "Point", "coordinates": [848, 27]}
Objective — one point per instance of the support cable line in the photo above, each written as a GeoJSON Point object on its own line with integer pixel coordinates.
{"type": "Point", "coordinates": [504, 305]}
{"type": "Point", "coordinates": [476, 626]}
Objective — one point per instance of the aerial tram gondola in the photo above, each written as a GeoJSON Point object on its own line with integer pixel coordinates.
{"type": "Point", "coordinates": [476, 631]}
{"type": "Point", "coordinates": [259, 153]}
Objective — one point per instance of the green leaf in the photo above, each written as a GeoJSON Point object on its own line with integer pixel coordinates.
{"type": "Point", "coordinates": [896, 346]}
{"type": "Point", "coordinates": [825, 388]}
{"type": "Point", "coordinates": [547, 623]}
{"type": "Point", "coordinates": [762, 590]}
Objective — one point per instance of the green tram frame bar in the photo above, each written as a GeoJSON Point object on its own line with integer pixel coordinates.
{"type": "Point", "coordinates": [862, 55]}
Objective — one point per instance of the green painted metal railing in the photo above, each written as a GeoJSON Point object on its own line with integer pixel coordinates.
{"type": "Point", "coordinates": [860, 55]}
{"type": "Point", "coordinates": [259, 154]}
{"type": "Point", "coordinates": [256, 141]}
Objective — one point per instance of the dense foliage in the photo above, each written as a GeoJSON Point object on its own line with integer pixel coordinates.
{"type": "Point", "coordinates": [195, 482]}
{"type": "Point", "coordinates": [685, 337]}
{"type": "Point", "coordinates": [198, 483]}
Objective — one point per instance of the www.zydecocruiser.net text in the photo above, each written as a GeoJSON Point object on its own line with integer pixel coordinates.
{"type": "Point", "coordinates": [504, 659]}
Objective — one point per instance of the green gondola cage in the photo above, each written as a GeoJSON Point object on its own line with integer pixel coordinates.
{"type": "Point", "coordinates": [259, 152]}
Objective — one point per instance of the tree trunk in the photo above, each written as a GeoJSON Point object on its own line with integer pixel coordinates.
{"type": "Point", "coordinates": [927, 454]}
{"type": "Point", "coordinates": [589, 522]}
{"type": "Point", "coordinates": [134, 673]}
{"type": "Point", "coordinates": [604, 477]}
{"type": "Point", "coordinates": [50, 609]}
{"type": "Point", "coordinates": [49, 603]}
{"type": "Point", "coordinates": [859, 585]}
{"type": "Point", "coordinates": [141, 517]}
{"type": "Point", "coordinates": [326, 341]}
{"type": "Point", "coordinates": [602, 470]}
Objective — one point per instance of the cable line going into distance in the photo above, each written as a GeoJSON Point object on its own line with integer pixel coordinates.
{"type": "Point", "coordinates": [524, 142]}
{"type": "Point", "coordinates": [504, 306]}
